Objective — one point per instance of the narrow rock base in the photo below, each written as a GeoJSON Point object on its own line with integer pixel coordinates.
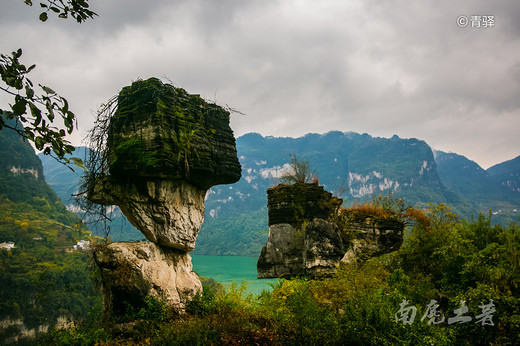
{"type": "Point", "coordinates": [130, 272]}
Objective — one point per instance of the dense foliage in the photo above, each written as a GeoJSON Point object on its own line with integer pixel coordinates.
{"type": "Point", "coordinates": [440, 270]}
{"type": "Point", "coordinates": [42, 280]}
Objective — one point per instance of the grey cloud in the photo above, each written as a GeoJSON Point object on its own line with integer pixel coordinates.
{"type": "Point", "coordinates": [293, 67]}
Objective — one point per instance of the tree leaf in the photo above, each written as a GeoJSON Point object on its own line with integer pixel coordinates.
{"type": "Point", "coordinates": [20, 105]}
{"type": "Point", "coordinates": [36, 113]}
{"type": "Point", "coordinates": [82, 3]}
{"type": "Point", "coordinates": [43, 16]}
{"type": "Point", "coordinates": [78, 162]}
{"type": "Point", "coordinates": [29, 92]}
{"type": "Point", "coordinates": [47, 89]}
{"type": "Point", "coordinates": [39, 142]}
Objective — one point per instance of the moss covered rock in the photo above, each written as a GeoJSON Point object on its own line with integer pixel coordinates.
{"type": "Point", "coordinates": [302, 239]}
{"type": "Point", "coordinates": [310, 235]}
{"type": "Point", "coordinates": [298, 202]}
{"type": "Point", "coordinates": [160, 131]}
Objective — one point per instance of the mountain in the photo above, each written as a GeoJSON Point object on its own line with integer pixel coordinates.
{"type": "Point", "coordinates": [42, 279]}
{"type": "Point", "coordinates": [354, 167]}
{"type": "Point", "coordinates": [507, 176]}
{"type": "Point", "coordinates": [464, 177]}
{"type": "Point", "coordinates": [496, 189]}
{"type": "Point", "coordinates": [66, 183]}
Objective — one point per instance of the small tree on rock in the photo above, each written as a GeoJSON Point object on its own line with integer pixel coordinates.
{"type": "Point", "coordinates": [300, 172]}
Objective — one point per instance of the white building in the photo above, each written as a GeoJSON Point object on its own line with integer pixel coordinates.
{"type": "Point", "coordinates": [82, 245]}
{"type": "Point", "coordinates": [7, 245]}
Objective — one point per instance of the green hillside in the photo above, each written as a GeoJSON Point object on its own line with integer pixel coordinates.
{"type": "Point", "coordinates": [507, 175]}
{"type": "Point", "coordinates": [42, 278]}
{"type": "Point", "coordinates": [66, 182]}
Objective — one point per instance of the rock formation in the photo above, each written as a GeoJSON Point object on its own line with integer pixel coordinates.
{"type": "Point", "coordinates": [132, 271]}
{"type": "Point", "coordinates": [371, 237]}
{"type": "Point", "coordinates": [301, 239]}
{"type": "Point", "coordinates": [308, 235]}
{"type": "Point", "coordinates": [164, 149]}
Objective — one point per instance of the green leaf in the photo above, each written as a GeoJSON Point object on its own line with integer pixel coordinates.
{"type": "Point", "coordinates": [19, 107]}
{"type": "Point", "coordinates": [18, 84]}
{"type": "Point", "coordinates": [65, 108]}
{"type": "Point", "coordinates": [29, 134]}
{"type": "Point", "coordinates": [36, 113]}
{"type": "Point", "coordinates": [47, 89]}
{"type": "Point", "coordinates": [39, 142]}
{"type": "Point", "coordinates": [43, 16]}
{"type": "Point", "coordinates": [50, 111]}
{"type": "Point", "coordinates": [82, 3]}
{"type": "Point", "coordinates": [68, 124]}
{"type": "Point", "coordinates": [78, 162]}
{"type": "Point", "coordinates": [29, 92]}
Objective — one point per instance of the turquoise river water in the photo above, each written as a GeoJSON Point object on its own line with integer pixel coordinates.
{"type": "Point", "coordinates": [226, 269]}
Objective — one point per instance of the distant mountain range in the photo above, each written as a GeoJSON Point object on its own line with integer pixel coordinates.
{"type": "Point", "coordinates": [352, 166]}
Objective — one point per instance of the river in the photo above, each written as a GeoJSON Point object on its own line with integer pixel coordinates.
{"type": "Point", "coordinates": [226, 269]}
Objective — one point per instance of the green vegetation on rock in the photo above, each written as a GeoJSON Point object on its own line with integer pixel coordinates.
{"type": "Point", "coordinates": [158, 130]}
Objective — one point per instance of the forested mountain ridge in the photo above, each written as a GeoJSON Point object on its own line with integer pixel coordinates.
{"type": "Point", "coordinates": [42, 279]}
{"type": "Point", "coordinates": [354, 167]}
{"type": "Point", "coordinates": [507, 175]}
{"type": "Point", "coordinates": [496, 189]}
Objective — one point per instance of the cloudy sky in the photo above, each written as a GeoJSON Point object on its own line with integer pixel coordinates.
{"type": "Point", "coordinates": [293, 67]}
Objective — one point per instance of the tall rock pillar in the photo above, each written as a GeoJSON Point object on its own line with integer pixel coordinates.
{"type": "Point", "coordinates": [164, 149]}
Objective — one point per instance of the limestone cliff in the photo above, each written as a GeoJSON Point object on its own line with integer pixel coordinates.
{"type": "Point", "coordinates": [301, 239]}
{"type": "Point", "coordinates": [163, 149]}
{"type": "Point", "coordinates": [371, 237]}
{"type": "Point", "coordinates": [167, 212]}
{"type": "Point", "coordinates": [309, 234]}
{"type": "Point", "coordinates": [132, 271]}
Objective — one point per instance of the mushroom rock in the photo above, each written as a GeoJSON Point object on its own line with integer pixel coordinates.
{"type": "Point", "coordinates": [164, 149]}
{"type": "Point", "coordinates": [168, 213]}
